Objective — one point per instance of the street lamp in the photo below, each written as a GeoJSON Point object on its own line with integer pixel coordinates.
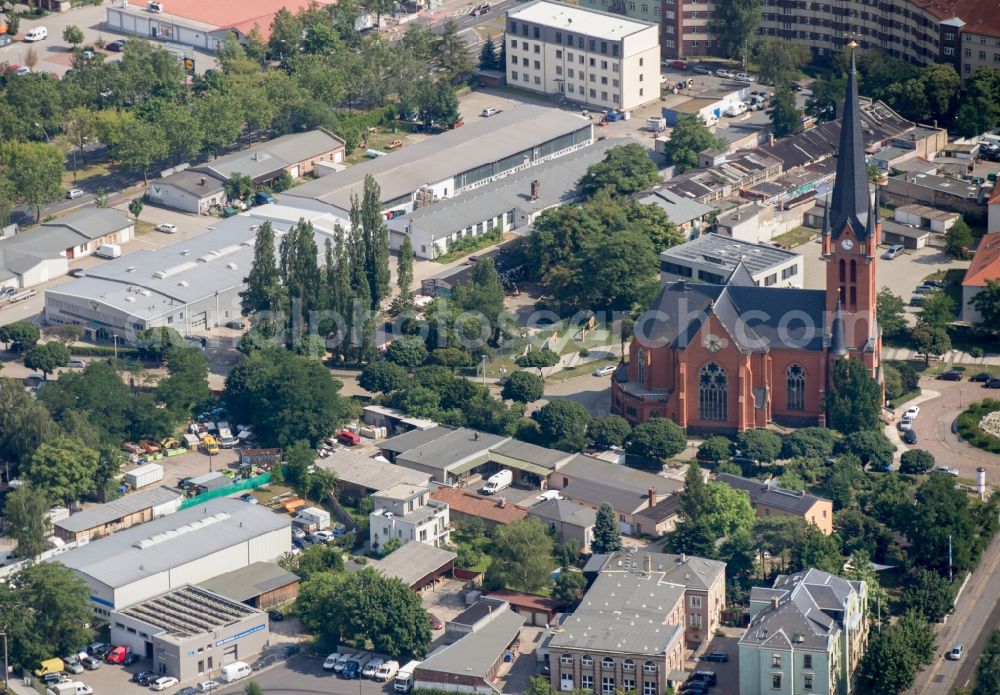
{"type": "Point", "coordinates": [6, 666]}
{"type": "Point", "coordinates": [114, 337]}
{"type": "Point", "coordinates": [44, 132]}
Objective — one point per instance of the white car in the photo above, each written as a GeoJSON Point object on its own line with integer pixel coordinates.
{"type": "Point", "coordinates": [371, 667]}
{"type": "Point", "coordinates": [331, 661]}
{"type": "Point", "coordinates": [605, 370]}
{"type": "Point", "coordinates": [737, 109]}
{"type": "Point", "coordinates": [489, 111]}
{"type": "Point", "coordinates": [76, 364]}
{"type": "Point", "coordinates": [163, 683]}
{"type": "Point", "coordinates": [207, 686]}
{"type": "Point", "coordinates": [956, 653]}
{"type": "Point", "coordinates": [342, 662]}
{"type": "Point", "coordinates": [912, 412]}
{"type": "Point", "coordinates": [166, 228]}
{"type": "Point", "coordinates": [905, 424]}
{"type": "Point", "coordinates": [722, 72]}
{"type": "Point", "coordinates": [74, 193]}
{"type": "Point", "coordinates": [947, 470]}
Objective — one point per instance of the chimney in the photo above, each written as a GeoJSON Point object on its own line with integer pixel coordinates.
{"type": "Point", "coordinates": [774, 602]}
{"type": "Point", "coordinates": [647, 564]}
{"type": "Point", "coordinates": [203, 181]}
{"type": "Point", "coordinates": [536, 189]}
{"type": "Point", "coordinates": [770, 138]}
{"type": "Point", "coordinates": [652, 497]}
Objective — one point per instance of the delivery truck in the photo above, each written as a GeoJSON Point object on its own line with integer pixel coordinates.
{"type": "Point", "coordinates": [497, 482]}
{"type": "Point", "coordinates": [404, 678]}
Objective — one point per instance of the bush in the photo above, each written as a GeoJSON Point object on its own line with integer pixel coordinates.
{"type": "Point", "coordinates": [970, 431]}
{"type": "Point", "coordinates": [976, 351]}
{"type": "Point", "coordinates": [104, 351]}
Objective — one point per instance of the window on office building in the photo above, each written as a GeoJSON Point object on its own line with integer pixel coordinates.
{"type": "Point", "coordinates": [604, 65]}
{"type": "Point", "coordinates": [607, 685]}
{"type": "Point", "coordinates": [538, 80]}
{"type": "Point", "coordinates": [538, 65]}
{"type": "Point", "coordinates": [513, 75]}
{"type": "Point", "coordinates": [604, 96]}
{"type": "Point", "coordinates": [587, 683]}
{"type": "Point", "coordinates": [559, 69]}
{"type": "Point", "coordinates": [604, 80]}
{"type": "Point", "coordinates": [558, 54]}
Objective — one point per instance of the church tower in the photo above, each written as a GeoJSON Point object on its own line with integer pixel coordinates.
{"type": "Point", "coordinates": [851, 232]}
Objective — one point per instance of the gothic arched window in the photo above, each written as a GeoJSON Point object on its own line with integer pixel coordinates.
{"type": "Point", "coordinates": [713, 393]}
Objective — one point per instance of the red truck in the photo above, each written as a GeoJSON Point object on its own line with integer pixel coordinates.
{"type": "Point", "coordinates": [348, 438]}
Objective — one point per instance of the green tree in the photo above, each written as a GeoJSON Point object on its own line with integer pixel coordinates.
{"type": "Point", "coordinates": [715, 449]}
{"type": "Point", "coordinates": [19, 336]}
{"type": "Point", "coordinates": [383, 377]}
{"type": "Point", "coordinates": [607, 536]}
{"type": "Point", "coordinates": [404, 270]}
{"type": "Point", "coordinates": [285, 397]}
{"type": "Point", "coordinates": [564, 424]}
{"type": "Point", "coordinates": [889, 308]}
{"type": "Point", "coordinates": [930, 341]}
{"type": "Point", "coordinates": [988, 668]}
{"type": "Point", "coordinates": [316, 559]}
{"type": "Point", "coordinates": [26, 511]}
{"type": "Point", "coordinates": [735, 23]}
{"type": "Point", "coordinates": [253, 688]}
{"type": "Point", "coordinates": [987, 303]}
{"type": "Point", "coordinates": [452, 53]}
{"type": "Point", "coordinates": [569, 589]}
{"type": "Point", "coordinates": [263, 285]}
{"type": "Point", "coordinates": [625, 170]}
{"type": "Point", "coordinates": [35, 171]}
{"type": "Point", "coordinates": [407, 351]}
{"type": "Point", "coordinates": [656, 439]}
{"type": "Point", "coordinates": [537, 359]}
{"type": "Point", "coordinates": [299, 457]}
{"type": "Point", "coordinates": [893, 381]}
{"type": "Point", "coordinates": [539, 685]}
{"type": "Point", "coordinates": [938, 310]}
{"type": "Point", "coordinates": [608, 431]}
{"type": "Point", "coordinates": [894, 654]}
{"type": "Point", "coordinates": [710, 511]}
{"type": "Point", "coordinates": [47, 357]}
{"type": "Point", "coordinates": [779, 62]}
{"type": "Point", "coordinates": [63, 469]}
{"type": "Point", "coordinates": [811, 442]}
{"type": "Point", "coordinates": [522, 556]}
{"type": "Point", "coordinates": [959, 239]}
{"type": "Point", "coordinates": [929, 595]}
{"type": "Point", "coordinates": [286, 35]}
{"type": "Point", "coordinates": [853, 399]}
{"type": "Point", "coordinates": [239, 187]}
{"type": "Point", "coordinates": [916, 462]}
{"type": "Point", "coordinates": [320, 484]}
{"type": "Point", "coordinates": [940, 515]}
{"type": "Point", "coordinates": [185, 387]}
{"type": "Point", "coordinates": [816, 549]}
{"type": "Point", "coordinates": [871, 447]}
{"type": "Point", "coordinates": [523, 387]}
{"type": "Point", "coordinates": [73, 35]}
{"type": "Point", "coordinates": [689, 137]}
{"type": "Point", "coordinates": [145, 145]}
{"type": "Point", "coordinates": [488, 55]}
{"type": "Point", "coordinates": [785, 117]}
{"type": "Point", "coordinates": [760, 445]}
{"type": "Point", "coordinates": [365, 607]}
{"type": "Point", "coordinates": [135, 207]}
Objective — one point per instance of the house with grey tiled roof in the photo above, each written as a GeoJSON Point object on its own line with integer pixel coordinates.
{"type": "Point", "coordinates": [568, 520]}
{"type": "Point", "coordinates": [770, 499]}
{"type": "Point", "coordinates": [807, 633]}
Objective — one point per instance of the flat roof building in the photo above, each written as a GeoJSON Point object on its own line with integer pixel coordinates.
{"type": "Point", "coordinates": [120, 514]}
{"type": "Point", "coordinates": [712, 258]}
{"type": "Point", "coordinates": [190, 546]}
{"type": "Point", "coordinates": [596, 58]}
{"type": "Point", "coordinates": [190, 632]}
{"type": "Point", "coordinates": [360, 476]}
{"type": "Point", "coordinates": [455, 161]}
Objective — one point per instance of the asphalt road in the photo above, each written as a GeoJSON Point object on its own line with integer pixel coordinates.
{"type": "Point", "coordinates": [969, 625]}
{"type": "Point", "coordinates": [304, 675]}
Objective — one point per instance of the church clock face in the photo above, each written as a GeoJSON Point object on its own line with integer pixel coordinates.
{"type": "Point", "coordinates": [712, 343]}
{"type": "Point", "coordinates": [847, 244]}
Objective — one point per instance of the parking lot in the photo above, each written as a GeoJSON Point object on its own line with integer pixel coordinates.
{"type": "Point", "coordinates": [727, 673]}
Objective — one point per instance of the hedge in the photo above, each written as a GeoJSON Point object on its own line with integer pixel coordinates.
{"type": "Point", "coordinates": [103, 351]}
{"type": "Point", "coordinates": [968, 426]}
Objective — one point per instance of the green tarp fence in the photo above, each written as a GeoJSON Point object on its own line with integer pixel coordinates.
{"type": "Point", "coordinates": [243, 485]}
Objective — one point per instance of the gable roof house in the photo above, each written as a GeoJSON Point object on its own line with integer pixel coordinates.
{"type": "Point", "coordinates": [768, 499]}
{"type": "Point", "coordinates": [811, 625]}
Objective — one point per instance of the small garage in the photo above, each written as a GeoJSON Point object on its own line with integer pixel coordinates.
{"type": "Point", "coordinates": [909, 236]}
{"type": "Point", "coordinates": [536, 610]}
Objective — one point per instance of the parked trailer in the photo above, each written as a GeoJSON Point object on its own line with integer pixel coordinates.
{"type": "Point", "coordinates": [144, 475]}
{"type": "Point", "coordinates": [21, 296]}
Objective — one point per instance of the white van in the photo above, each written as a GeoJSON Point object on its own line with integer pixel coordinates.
{"type": "Point", "coordinates": [109, 251]}
{"type": "Point", "coordinates": [711, 120]}
{"type": "Point", "coordinates": [234, 671]}
{"type": "Point", "coordinates": [36, 34]}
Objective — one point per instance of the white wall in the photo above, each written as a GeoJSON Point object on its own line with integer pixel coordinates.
{"type": "Point", "coordinates": [172, 197]}
{"type": "Point", "coordinates": [44, 271]}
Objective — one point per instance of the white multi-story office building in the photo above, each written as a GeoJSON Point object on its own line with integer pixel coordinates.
{"type": "Point", "coordinates": [596, 58]}
{"type": "Point", "coordinates": [408, 513]}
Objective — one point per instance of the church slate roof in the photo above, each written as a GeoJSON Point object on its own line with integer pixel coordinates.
{"type": "Point", "coordinates": [680, 309]}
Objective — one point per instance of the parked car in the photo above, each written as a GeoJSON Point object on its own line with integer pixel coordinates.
{"type": "Point", "coordinates": [489, 111]}
{"type": "Point", "coordinates": [74, 193]}
{"type": "Point", "coordinates": [912, 412]}
{"type": "Point", "coordinates": [436, 623]}
{"type": "Point", "coordinates": [275, 615]}
{"type": "Point", "coordinates": [993, 383]}
{"type": "Point", "coordinates": [737, 109]}
{"type": "Point", "coordinates": [207, 686]}
{"type": "Point", "coordinates": [187, 691]}
{"type": "Point", "coordinates": [118, 654]}
{"type": "Point", "coordinates": [950, 375]}
{"type": "Point", "coordinates": [947, 470]}
{"type": "Point", "coordinates": [893, 251]}
{"type": "Point", "coordinates": [166, 228]}
{"type": "Point", "coordinates": [917, 300]}
{"type": "Point", "coordinates": [909, 437]}
{"type": "Point", "coordinates": [77, 273]}
{"type": "Point", "coordinates": [342, 662]}
{"type": "Point", "coordinates": [981, 376]}
{"type": "Point", "coordinates": [702, 70]}
{"type": "Point", "coordinates": [5, 40]}
{"type": "Point", "coordinates": [142, 677]}
{"type": "Point", "coordinates": [371, 667]}
{"type": "Point", "coordinates": [905, 424]}
{"type": "Point", "coordinates": [36, 34]}
{"type": "Point", "coordinates": [53, 678]}
{"type": "Point", "coordinates": [163, 682]}
{"type": "Point", "coordinates": [72, 664]}
{"type": "Point", "coordinates": [248, 498]}
{"type": "Point", "coordinates": [236, 325]}
{"type": "Point", "coordinates": [91, 663]}
{"type": "Point", "coordinates": [924, 288]}
{"type": "Point", "coordinates": [116, 46]}
{"type": "Point", "coordinates": [331, 661]}
{"type": "Point", "coordinates": [6, 292]}
{"type": "Point", "coordinates": [956, 653]}
{"type": "Point", "coordinates": [743, 77]}
{"type": "Point", "coordinates": [479, 9]}
{"type": "Point", "coordinates": [678, 65]}
{"type": "Point", "coordinates": [719, 657]}
{"type": "Point", "coordinates": [131, 658]}
{"type": "Point", "coordinates": [722, 72]}
{"type": "Point", "coordinates": [605, 371]}
{"type": "Point", "coordinates": [795, 86]}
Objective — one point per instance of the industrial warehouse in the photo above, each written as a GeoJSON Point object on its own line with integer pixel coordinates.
{"type": "Point", "coordinates": [187, 547]}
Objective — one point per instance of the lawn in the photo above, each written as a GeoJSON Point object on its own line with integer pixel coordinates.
{"type": "Point", "coordinates": [143, 227]}
{"type": "Point", "coordinates": [581, 369]}
{"type": "Point", "coordinates": [92, 170]}
{"type": "Point", "coordinates": [378, 140]}
{"type": "Point", "coordinates": [796, 237]}
{"type": "Point", "coordinates": [471, 245]}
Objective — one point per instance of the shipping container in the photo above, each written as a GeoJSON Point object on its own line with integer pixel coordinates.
{"type": "Point", "coordinates": [144, 475]}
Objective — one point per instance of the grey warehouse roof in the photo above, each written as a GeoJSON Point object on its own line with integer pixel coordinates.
{"type": "Point", "coordinates": [623, 614]}
{"type": "Point", "coordinates": [91, 222]}
{"type": "Point", "coordinates": [249, 582]}
{"type": "Point", "coordinates": [268, 157]}
{"type": "Point", "coordinates": [558, 178]}
{"type": "Point", "coordinates": [451, 448]}
{"type": "Point", "coordinates": [369, 473]}
{"type": "Point", "coordinates": [678, 209]}
{"type": "Point", "coordinates": [725, 252]}
{"type": "Point", "coordinates": [116, 509]}
{"type": "Point", "coordinates": [190, 181]}
{"type": "Point", "coordinates": [481, 141]}
{"type": "Point", "coordinates": [189, 611]}
{"type": "Point", "coordinates": [475, 653]}
{"type": "Point", "coordinates": [171, 541]}
{"type": "Point", "coordinates": [580, 20]}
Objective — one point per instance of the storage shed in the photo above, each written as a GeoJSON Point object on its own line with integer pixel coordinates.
{"type": "Point", "coordinates": [144, 475]}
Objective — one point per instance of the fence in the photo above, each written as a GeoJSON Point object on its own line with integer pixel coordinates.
{"type": "Point", "coordinates": [248, 484]}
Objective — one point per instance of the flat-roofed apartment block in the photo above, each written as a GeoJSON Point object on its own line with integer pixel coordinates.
{"type": "Point", "coordinates": [596, 58]}
{"type": "Point", "coordinates": [190, 631]}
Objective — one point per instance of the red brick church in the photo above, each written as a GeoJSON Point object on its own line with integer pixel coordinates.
{"type": "Point", "coordinates": [737, 356]}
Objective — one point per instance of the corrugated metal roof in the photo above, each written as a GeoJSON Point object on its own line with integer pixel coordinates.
{"type": "Point", "coordinates": [116, 509]}
{"type": "Point", "coordinates": [250, 581]}
{"type": "Point", "coordinates": [476, 653]}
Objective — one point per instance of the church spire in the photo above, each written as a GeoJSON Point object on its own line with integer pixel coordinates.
{"type": "Point", "coordinates": [850, 204]}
